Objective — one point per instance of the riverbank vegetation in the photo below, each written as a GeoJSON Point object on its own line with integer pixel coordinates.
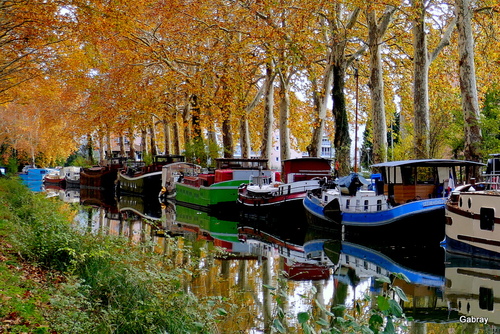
{"type": "Point", "coordinates": [57, 278]}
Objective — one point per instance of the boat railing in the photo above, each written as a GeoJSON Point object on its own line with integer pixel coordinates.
{"type": "Point", "coordinates": [491, 182]}
{"type": "Point", "coordinates": [286, 189]}
{"type": "Point", "coordinates": [366, 206]}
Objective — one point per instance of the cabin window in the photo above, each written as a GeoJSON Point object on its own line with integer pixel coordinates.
{"type": "Point", "coordinates": [426, 175]}
{"type": "Point", "coordinates": [379, 204]}
{"type": "Point", "coordinates": [469, 202]}
{"type": "Point", "coordinates": [487, 218]}
{"type": "Point", "coordinates": [366, 205]}
{"type": "Point", "coordinates": [407, 175]}
{"type": "Point", "coordinates": [347, 203]}
{"type": "Point", "coordinates": [486, 299]}
{"type": "Point", "coordinates": [347, 259]}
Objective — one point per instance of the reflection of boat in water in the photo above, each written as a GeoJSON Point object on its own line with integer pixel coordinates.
{"type": "Point", "coordinates": [372, 263]}
{"type": "Point", "coordinates": [141, 180]}
{"type": "Point", "coordinates": [473, 288]}
{"type": "Point", "coordinates": [471, 214]}
{"type": "Point", "coordinates": [70, 195]}
{"type": "Point", "coordinates": [139, 206]}
{"type": "Point", "coordinates": [297, 266]}
{"type": "Point", "coordinates": [363, 265]}
{"type": "Point", "coordinates": [223, 233]}
{"type": "Point", "coordinates": [298, 176]}
{"type": "Point", "coordinates": [98, 198]}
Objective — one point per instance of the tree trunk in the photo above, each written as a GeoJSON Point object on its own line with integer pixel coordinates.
{"type": "Point", "coordinates": [122, 146]}
{"type": "Point", "coordinates": [338, 62]}
{"type": "Point", "coordinates": [470, 105]}
{"type": "Point", "coordinates": [186, 120]}
{"type": "Point", "coordinates": [342, 140]}
{"type": "Point", "coordinates": [90, 148]}
{"type": "Point", "coordinates": [177, 136]}
{"type": "Point", "coordinates": [284, 126]}
{"type": "Point", "coordinates": [166, 134]}
{"type": "Point", "coordinates": [211, 138]}
{"type": "Point", "coordinates": [131, 151]}
{"type": "Point", "coordinates": [420, 84]}
{"type": "Point", "coordinates": [246, 149]}
{"type": "Point", "coordinates": [245, 137]}
{"type": "Point", "coordinates": [227, 139]}
{"type": "Point", "coordinates": [320, 98]}
{"type": "Point", "coordinates": [267, 133]}
{"type": "Point", "coordinates": [109, 146]}
{"type": "Point", "coordinates": [195, 118]}
{"type": "Point", "coordinates": [102, 148]}
{"type": "Point", "coordinates": [144, 143]}
{"type": "Point", "coordinates": [377, 91]}
{"type": "Point", "coordinates": [152, 137]}
{"type": "Point", "coordinates": [227, 131]}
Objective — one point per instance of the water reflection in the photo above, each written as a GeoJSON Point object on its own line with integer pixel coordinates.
{"type": "Point", "coordinates": [315, 266]}
{"type": "Point", "coordinates": [473, 287]}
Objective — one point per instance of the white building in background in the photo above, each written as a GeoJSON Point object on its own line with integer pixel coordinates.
{"type": "Point", "coordinates": [275, 159]}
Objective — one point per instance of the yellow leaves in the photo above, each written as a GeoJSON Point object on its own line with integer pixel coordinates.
{"type": "Point", "coordinates": [39, 121]}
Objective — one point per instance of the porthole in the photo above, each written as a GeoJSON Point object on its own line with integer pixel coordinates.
{"type": "Point", "coordinates": [460, 202]}
{"type": "Point", "coordinates": [486, 299]}
{"type": "Point", "coordinates": [487, 218]}
{"type": "Point", "coordinates": [469, 202]}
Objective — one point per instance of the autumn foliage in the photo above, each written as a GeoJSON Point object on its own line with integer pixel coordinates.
{"type": "Point", "coordinates": [173, 71]}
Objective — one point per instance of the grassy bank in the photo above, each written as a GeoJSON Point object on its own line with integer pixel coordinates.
{"type": "Point", "coordinates": [55, 278]}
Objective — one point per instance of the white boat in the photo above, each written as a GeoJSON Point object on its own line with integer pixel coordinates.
{"type": "Point", "coordinates": [404, 190]}
{"type": "Point", "coordinates": [299, 176]}
{"type": "Point", "coordinates": [345, 201]}
{"type": "Point", "coordinates": [54, 176]}
{"type": "Point", "coordinates": [472, 217]}
{"type": "Point", "coordinates": [71, 175]}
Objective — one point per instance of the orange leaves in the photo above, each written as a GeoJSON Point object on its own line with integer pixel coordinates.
{"type": "Point", "coordinates": [39, 121]}
{"type": "Point", "coordinates": [116, 65]}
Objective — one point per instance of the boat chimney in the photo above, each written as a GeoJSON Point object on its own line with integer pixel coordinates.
{"type": "Point", "coordinates": [260, 178]}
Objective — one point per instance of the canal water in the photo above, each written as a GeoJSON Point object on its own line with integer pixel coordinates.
{"type": "Point", "coordinates": [271, 267]}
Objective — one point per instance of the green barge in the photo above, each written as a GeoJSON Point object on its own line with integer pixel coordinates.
{"type": "Point", "coordinates": [218, 189]}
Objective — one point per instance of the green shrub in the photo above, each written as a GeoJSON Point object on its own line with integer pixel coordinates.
{"type": "Point", "coordinates": [111, 285]}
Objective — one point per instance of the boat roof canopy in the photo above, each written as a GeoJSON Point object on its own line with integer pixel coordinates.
{"type": "Point", "coordinates": [308, 159]}
{"type": "Point", "coordinates": [428, 163]}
